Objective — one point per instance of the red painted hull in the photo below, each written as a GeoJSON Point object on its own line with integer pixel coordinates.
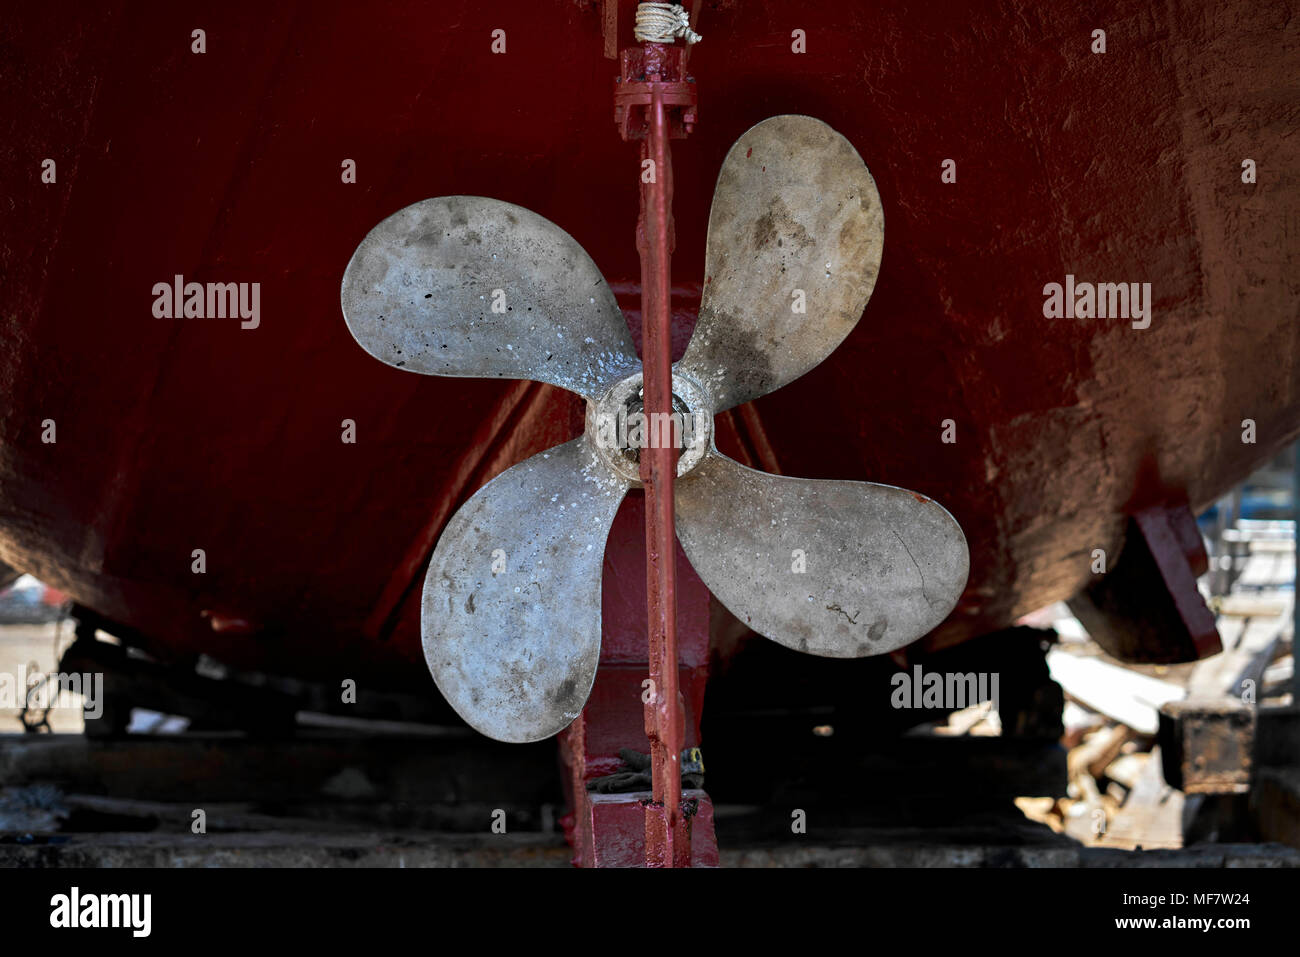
{"type": "Point", "coordinates": [175, 435]}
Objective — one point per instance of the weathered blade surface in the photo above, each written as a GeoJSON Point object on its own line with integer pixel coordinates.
{"type": "Point", "coordinates": [511, 613]}
{"type": "Point", "coordinates": [420, 289]}
{"type": "Point", "coordinates": [796, 220]}
{"type": "Point", "coordinates": [882, 565]}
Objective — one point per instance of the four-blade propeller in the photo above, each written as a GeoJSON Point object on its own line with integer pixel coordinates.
{"type": "Point", "coordinates": [511, 615]}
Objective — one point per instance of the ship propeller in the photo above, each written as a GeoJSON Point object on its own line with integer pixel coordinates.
{"type": "Point", "coordinates": [511, 609]}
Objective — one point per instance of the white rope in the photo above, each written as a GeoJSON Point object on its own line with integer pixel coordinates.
{"type": "Point", "coordinates": [661, 22]}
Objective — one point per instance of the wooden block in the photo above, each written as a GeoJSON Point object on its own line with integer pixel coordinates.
{"type": "Point", "coordinates": [1207, 745]}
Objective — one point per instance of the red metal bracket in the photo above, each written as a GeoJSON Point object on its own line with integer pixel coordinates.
{"type": "Point", "coordinates": [654, 101]}
{"type": "Point", "coordinates": [608, 830]}
{"type": "Point", "coordinates": [1148, 608]}
{"type": "Point", "coordinates": [644, 72]}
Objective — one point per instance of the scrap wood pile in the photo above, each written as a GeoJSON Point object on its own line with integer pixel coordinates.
{"type": "Point", "coordinates": [1118, 792]}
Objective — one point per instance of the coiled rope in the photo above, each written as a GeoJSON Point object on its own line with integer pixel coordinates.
{"type": "Point", "coordinates": [661, 22]}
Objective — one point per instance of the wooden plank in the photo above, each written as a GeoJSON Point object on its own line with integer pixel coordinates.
{"type": "Point", "coordinates": [1099, 751]}
{"type": "Point", "coordinates": [1244, 657]}
{"type": "Point", "coordinates": [309, 767]}
{"type": "Point", "coordinates": [1122, 695]}
{"type": "Point", "coordinates": [406, 849]}
{"type": "Point", "coordinates": [294, 849]}
{"type": "Point", "coordinates": [1152, 816]}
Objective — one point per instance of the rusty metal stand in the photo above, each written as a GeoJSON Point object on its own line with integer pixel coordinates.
{"type": "Point", "coordinates": [609, 829]}
{"type": "Point", "coordinates": [653, 101]}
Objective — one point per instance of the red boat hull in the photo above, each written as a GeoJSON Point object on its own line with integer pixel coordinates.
{"type": "Point", "coordinates": [181, 434]}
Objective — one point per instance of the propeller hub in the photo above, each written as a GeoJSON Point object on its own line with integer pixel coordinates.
{"type": "Point", "coordinates": [619, 427]}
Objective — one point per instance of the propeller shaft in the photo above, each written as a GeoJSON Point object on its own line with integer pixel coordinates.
{"type": "Point", "coordinates": [664, 835]}
{"type": "Point", "coordinates": [652, 85]}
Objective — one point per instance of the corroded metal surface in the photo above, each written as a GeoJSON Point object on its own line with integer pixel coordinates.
{"type": "Point", "coordinates": [511, 610]}
{"type": "Point", "coordinates": [796, 220]}
{"type": "Point", "coordinates": [840, 569]}
{"type": "Point", "coordinates": [667, 829]}
{"type": "Point", "coordinates": [511, 613]}
{"type": "Point", "coordinates": [470, 286]}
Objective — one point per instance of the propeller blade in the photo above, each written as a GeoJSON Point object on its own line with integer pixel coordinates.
{"type": "Point", "coordinates": [882, 566]}
{"type": "Point", "coordinates": [796, 222]}
{"type": "Point", "coordinates": [468, 286]}
{"type": "Point", "coordinates": [511, 612]}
